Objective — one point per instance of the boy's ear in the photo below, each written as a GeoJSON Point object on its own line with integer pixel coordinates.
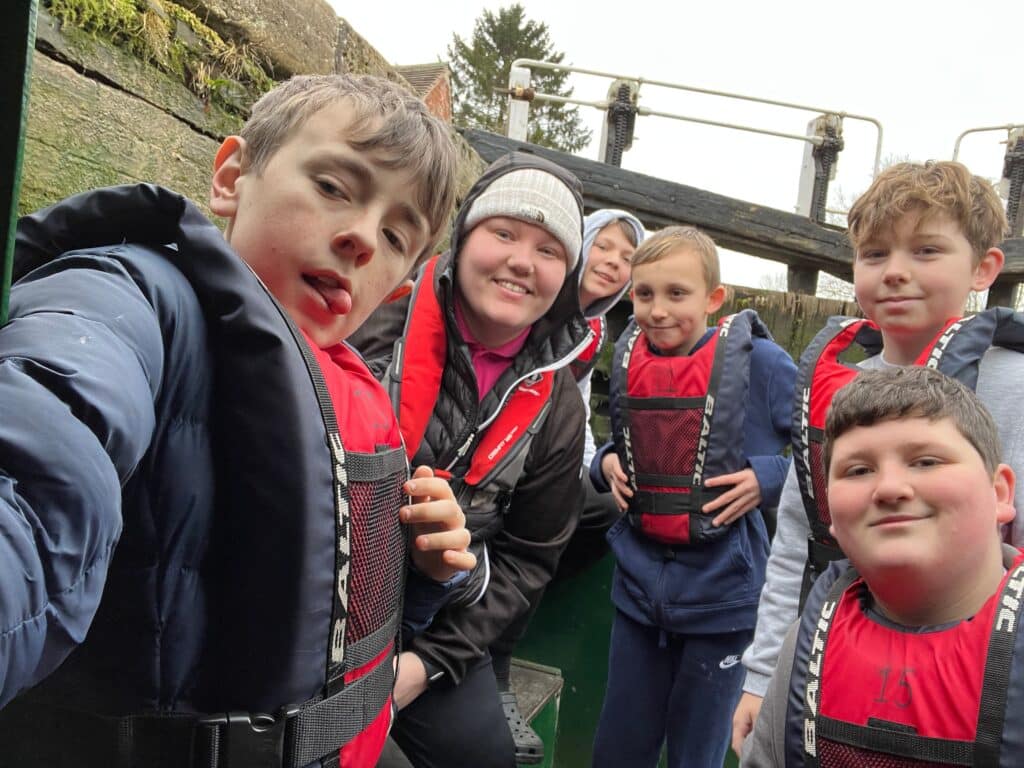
{"type": "Point", "coordinates": [227, 169]}
{"type": "Point", "coordinates": [715, 300]}
{"type": "Point", "coordinates": [404, 289]}
{"type": "Point", "coordinates": [1003, 483]}
{"type": "Point", "coordinates": [988, 269]}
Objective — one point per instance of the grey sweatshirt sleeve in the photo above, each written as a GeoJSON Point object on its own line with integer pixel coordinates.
{"type": "Point", "coordinates": [780, 596]}
{"type": "Point", "coordinates": [765, 747]}
{"type": "Point", "coordinates": [999, 389]}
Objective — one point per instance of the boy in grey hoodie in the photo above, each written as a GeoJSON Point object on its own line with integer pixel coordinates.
{"type": "Point", "coordinates": [610, 237]}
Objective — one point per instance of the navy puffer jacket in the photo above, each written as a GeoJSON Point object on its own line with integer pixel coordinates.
{"type": "Point", "coordinates": [131, 377]}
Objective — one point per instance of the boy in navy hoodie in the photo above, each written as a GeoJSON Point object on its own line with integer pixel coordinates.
{"type": "Point", "coordinates": [699, 416]}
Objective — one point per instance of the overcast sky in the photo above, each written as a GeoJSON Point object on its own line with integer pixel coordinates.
{"type": "Point", "coordinates": [926, 71]}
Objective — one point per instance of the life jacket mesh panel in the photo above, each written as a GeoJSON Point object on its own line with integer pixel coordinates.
{"type": "Point", "coordinates": [819, 480]}
{"type": "Point", "coordinates": [834, 754]}
{"type": "Point", "coordinates": [374, 592]}
{"type": "Point", "coordinates": [666, 441]}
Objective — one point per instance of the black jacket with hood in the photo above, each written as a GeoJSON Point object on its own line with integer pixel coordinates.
{"type": "Point", "coordinates": [526, 532]}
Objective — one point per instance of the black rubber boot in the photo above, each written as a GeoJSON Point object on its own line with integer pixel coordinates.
{"type": "Point", "coordinates": [529, 747]}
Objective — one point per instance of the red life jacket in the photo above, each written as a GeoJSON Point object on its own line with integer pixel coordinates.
{"type": "Point", "coordinates": [956, 351]}
{"type": "Point", "coordinates": [585, 363]}
{"type": "Point", "coordinates": [874, 695]}
{"type": "Point", "coordinates": [680, 421]}
{"type": "Point", "coordinates": [370, 469]}
{"type": "Point", "coordinates": [415, 379]}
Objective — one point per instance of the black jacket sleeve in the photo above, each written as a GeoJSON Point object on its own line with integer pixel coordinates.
{"type": "Point", "coordinates": [544, 511]}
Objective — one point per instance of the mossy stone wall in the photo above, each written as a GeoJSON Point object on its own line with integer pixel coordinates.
{"type": "Point", "coordinates": [145, 90]}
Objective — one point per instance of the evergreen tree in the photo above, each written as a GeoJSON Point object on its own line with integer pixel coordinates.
{"type": "Point", "coordinates": [482, 65]}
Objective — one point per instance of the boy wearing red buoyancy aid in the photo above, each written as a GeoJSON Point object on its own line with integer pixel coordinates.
{"type": "Point", "coordinates": [698, 417]}
{"type": "Point", "coordinates": [908, 654]}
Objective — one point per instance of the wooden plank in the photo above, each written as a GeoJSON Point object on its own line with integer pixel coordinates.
{"type": "Point", "coordinates": [1002, 294]}
{"type": "Point", "coordinates": [734, 224]}
{"type": "Point", "coordinates": [1014, 250]}
{"type": "Point", "coordinates": [534, 684]}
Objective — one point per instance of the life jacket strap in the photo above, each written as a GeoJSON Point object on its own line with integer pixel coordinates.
{"type": "Point", "coordinates": [819, 555]}
{"type": "Point", "coordinates": [890, 739]}
{"type": "Point", "coordinates": [293, 737]}
{"type": "Point", "coordinates": [661, 503]}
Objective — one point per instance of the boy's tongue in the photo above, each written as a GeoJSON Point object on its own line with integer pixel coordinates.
{"type": "Point", "coordinates": [339, 301]}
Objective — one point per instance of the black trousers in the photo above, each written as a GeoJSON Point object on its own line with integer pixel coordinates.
{"type": "Point", "coordinates": [449, 727]}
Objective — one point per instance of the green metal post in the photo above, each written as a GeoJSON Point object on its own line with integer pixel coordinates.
{"type": "Point", "coordinates": [17, 40]}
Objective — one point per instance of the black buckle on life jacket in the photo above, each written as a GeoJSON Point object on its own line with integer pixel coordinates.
{"type": "Point", "coordinates": [251, 740]}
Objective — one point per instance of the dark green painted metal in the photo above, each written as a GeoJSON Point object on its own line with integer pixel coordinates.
{"type": "Point", "coordinates": [17, 40]}
{"type": "Point", "coordinates": [570, 631]}
{"type": "Point", "coordinates": [545, 723]}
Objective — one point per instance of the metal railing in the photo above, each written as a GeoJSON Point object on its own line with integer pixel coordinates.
{"type": "Point", "coordinates": [530, 64]}
{"type": "Point", "coordinates": [1008, 128]}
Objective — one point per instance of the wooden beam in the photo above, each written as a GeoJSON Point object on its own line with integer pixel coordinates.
{"type": "Point", "coordinates": [738, 225]}
{"type": "Point", "coordinates": [1002, 293]}
{"type": "Point", "coordinates": [1014, 267]}
{"type": "Point", "coordinates": [801, 280]}
{"type": "Point", "coordinates": [734, 224]}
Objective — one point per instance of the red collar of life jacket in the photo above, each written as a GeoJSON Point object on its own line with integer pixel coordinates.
{"type": "Point", "coordinates": [587, 359]}
{"type": "Point", "coordinates": [419, 372]}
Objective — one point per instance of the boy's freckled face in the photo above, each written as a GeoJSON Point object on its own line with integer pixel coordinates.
{"type": "Point", "coordinates": [913, 278]}
{"type": "Point", "coordinates": [508, 273]}
{"type": "Point", "coordinates": [913, 494]}
{"type": "Point", "coordinates": [607, 267]}
{"type": "Point", "coordinates": [671, 301]}
{"type": "Point", "coordinates": [329, 229]}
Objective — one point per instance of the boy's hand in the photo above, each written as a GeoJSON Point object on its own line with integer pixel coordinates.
{"type": "Point", "coordinates": [438, 526]}
{"type": "Point", "coordinates": [741, 499]}
{"type": "Point", "coordinates": [616, 479]}
{"type": "Point", "coordinates": [743, 719]}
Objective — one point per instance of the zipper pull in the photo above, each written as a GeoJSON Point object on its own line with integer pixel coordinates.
{"type": "Point", "coordinates": [462, 450]}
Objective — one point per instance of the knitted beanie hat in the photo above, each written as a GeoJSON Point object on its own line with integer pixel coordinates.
{"type": "Point", "coordinates": [536, 197]}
